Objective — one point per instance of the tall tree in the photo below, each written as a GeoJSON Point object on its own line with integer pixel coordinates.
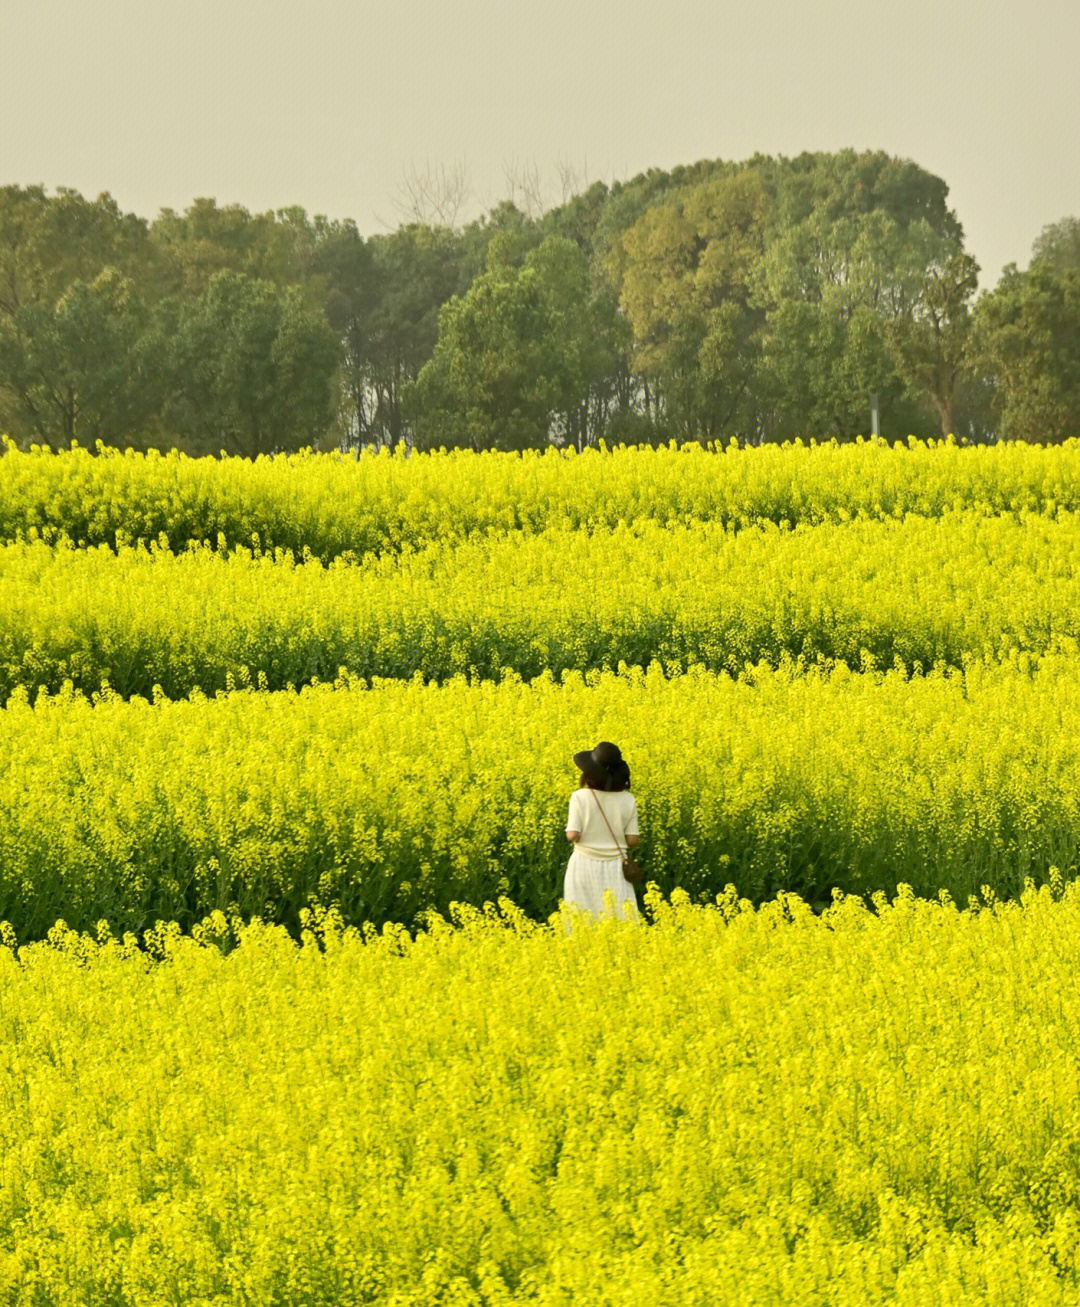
{"type": "Point", "coordinates": [72, 318]}
{"type": "Point", "coordinates": [391, 294]}
{"type": "Point", "coordinates": [252, 368]}
{"type": "Point", "coordinates": [346, 266]}
{"type": "Point", "coordinates": [1058, 246]}
{"type": "Point", "coordinates": [516, 356]}
{"type": "Point", "coordinates": [932, 343]}
{"type": "Point", "coordinates": [81, 369]}
{"type": "Point", "coordinates": [759, 294]}
{"type": "Point", "coordinates": [855, 238]}
{"type": "Point", "coordinates": [1027, 334]}
{"type": "Point", "coordinates": [684, 271]}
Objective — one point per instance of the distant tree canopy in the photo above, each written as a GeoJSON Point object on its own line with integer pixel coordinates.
{"type": "Point", "coordinates": [206, 331]}
{"type": "Point", "coordinates": [518, 357]}
{"type": "Point", "coordinates": [763, 300]}
{"type": "Point", "coordinates": [1028, 334]}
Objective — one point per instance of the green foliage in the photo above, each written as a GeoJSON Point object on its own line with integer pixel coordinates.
{"type": "Point", "coordinates": [932, 344]}
{"type": "Point", "coordinates": [73, 346]}
{"type": "Point", "coordinates": [193, 247]}
{"type": "Point", "coordinates": [853, 252]}
{"type": "Point", "coordinates": [767, 300]}
{"type": "Point", "coordinates": [1027, 331]}
{"type": "Point", "coordinates": [761, 295]}
{"type": "Point", "coordinates": [200, 326]}
{"type": "Point", "coordinates": [1058, 247]}
{"type": "Point", "coordinates": [83, 368]}
{"type": "Point", "coordinates": [50, 242]}
{"type": "Point", "coordinates": [251, 368]}
{"type": "Point", "coordinates": [684, 272]}
{"type": "Point", "coordinates": [515, 355]}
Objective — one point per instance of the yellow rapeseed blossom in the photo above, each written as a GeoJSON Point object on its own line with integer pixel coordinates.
{"type": "Point", "coordinates": [728, 1106]}
{"type": "Point", "coordinates": [830, 667]}
{"type": "Point", "coordinates": [919, 591]}
{"type": "Point", "coordinates": [404, 796]}
{"type": "Point", "coordinates": [331, 504]}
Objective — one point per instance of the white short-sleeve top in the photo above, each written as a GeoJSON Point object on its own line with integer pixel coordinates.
{"type": "Point", "coordinates": [620, 808]}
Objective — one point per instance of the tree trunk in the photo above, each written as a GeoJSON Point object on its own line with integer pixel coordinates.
{"type": "Point", "coordinates": [946, 407]}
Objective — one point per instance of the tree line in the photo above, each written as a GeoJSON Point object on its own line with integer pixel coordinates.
{"type": "Point", "coordinates": [762, 301]}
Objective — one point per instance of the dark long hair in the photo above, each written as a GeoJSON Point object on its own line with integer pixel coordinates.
{"type": "Point", "coordinates": [617, 788]}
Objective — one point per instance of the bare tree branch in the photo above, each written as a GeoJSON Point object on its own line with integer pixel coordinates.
{"type": "Point", "coordinates": [572, 180]}
{"type": "Point", "coordinates": [433, 195]}
{"type": "Point", "coordinates": [525, 189]}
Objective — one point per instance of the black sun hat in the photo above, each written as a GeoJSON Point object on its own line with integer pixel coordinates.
{"type": "Point", "coordinates": [604, 767]}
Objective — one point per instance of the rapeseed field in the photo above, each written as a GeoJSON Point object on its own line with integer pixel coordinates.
{"type": "Point", "coordinates": [401, 796]}
{"type": "Point", "coordinates": [291, 1011]}
{"type": "Point", "coordinates": [331, 504]}
{"type": "Point", "coordinates": [725, 1106]}
{"type": "Point", "coordinates": [945, 589]}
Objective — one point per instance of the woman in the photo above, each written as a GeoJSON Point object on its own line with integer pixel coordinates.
{"type": "Point", "coordinates": [602, 825]}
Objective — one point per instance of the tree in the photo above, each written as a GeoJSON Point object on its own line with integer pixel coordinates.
{"type": "Point", "coordinates": [47, 242]}
{"type": "Point", "coordinates": [855, 238]}
{"type": "Point", "coordinates": [207, 238]}
{"type": "Point", "coordinates": [1027, 335]}
{"type": "Point", "coordinates": [346, 264]}
{"type": "Point", "coordinates": [251, 368]}
{"type": "Point", "coordinates": [516, 356]}
{"type": "Point", "coordinates": [80, 370]}
{"type": "Point", "coordinates": [583, 340]}
{"type": "Point", "coordinates": [759, 293]}
{"type": "Point", "coordinates": [71, 318]}
{"type": "Point", "coordinates": [1058, 246]}
{"type": "Point", "coordinates": [417, 272]}
{"type": "Point", "coordinates": [684, 272]}
{"type": "Point", "coordinates": [383, 296]}
{"type": "Point", "coordinates": [931, 343]}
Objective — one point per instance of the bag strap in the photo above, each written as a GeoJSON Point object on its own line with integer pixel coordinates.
{"type": "Point", "coordinates": [622, 851]}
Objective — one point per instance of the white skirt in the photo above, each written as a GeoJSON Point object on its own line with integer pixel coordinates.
{"type": "Point", "coordinates": [588, 878]}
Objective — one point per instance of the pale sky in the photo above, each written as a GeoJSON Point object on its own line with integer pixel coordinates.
{"type": "Point", "coordinates": [327, 105]}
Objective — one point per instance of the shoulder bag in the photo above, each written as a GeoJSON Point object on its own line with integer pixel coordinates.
{"type": "Point", "coordinates": [630, 868]}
